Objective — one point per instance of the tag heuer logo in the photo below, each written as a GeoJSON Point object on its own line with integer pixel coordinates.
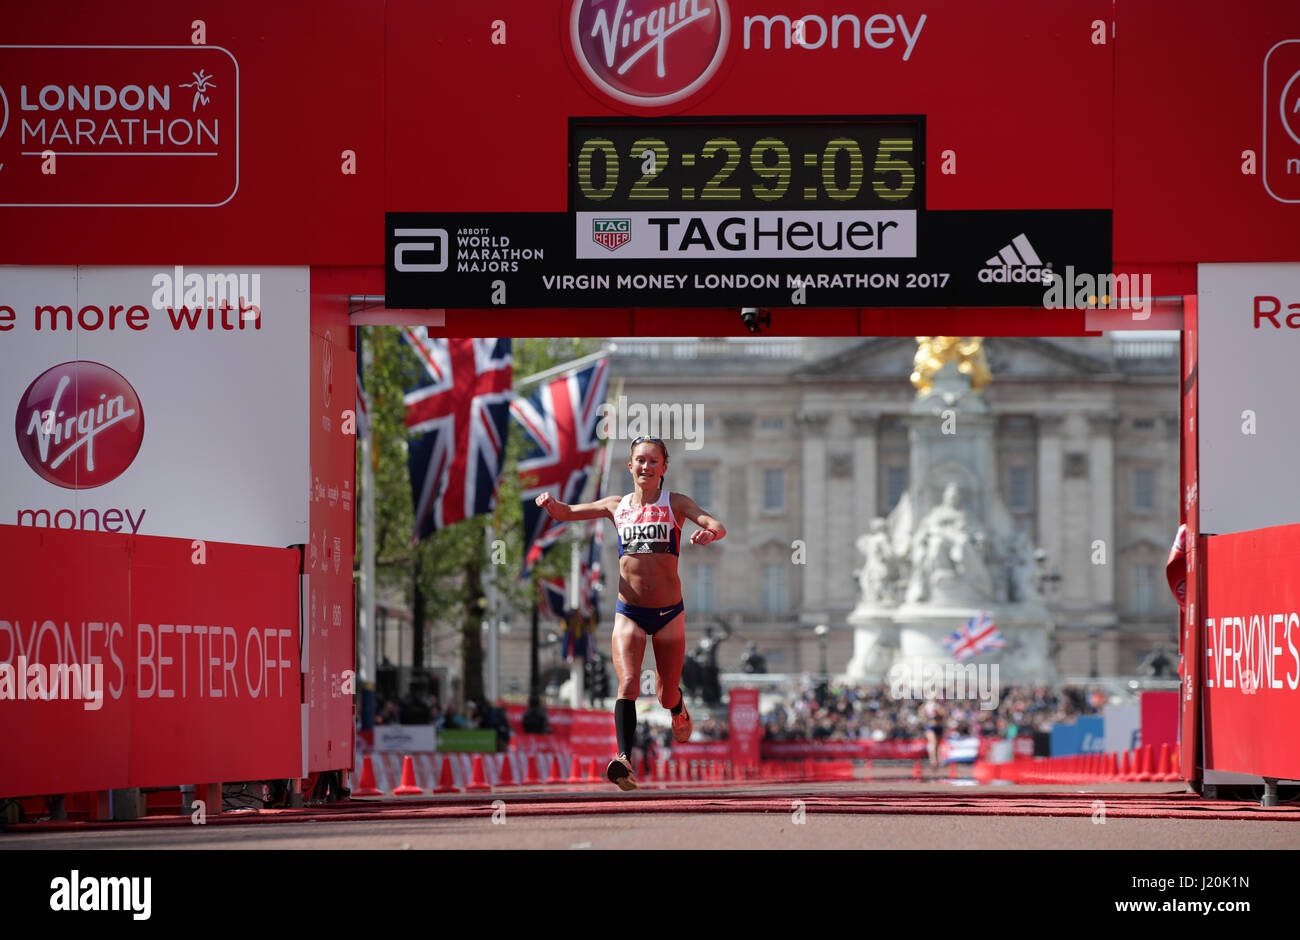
{"type": "Point", "coordinates": [611, 233]}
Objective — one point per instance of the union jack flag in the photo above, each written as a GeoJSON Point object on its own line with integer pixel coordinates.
{"type": "Point", "coordinates": [554, 597]}
{"type": "Point", "coordinates": [591, 568]}
{"type": "Point", "coordinates": [579, 638]}
{"type": "Point", "coordinates": [554, 591]}
{"type": "Point", "coordinates": [579, 625]}
{"type": "Point", "coordinates": [977, 635]}
{"type": "Point", "coordinates": [559, 422]}
{"type": "Point", "coordinates": [457, 419]}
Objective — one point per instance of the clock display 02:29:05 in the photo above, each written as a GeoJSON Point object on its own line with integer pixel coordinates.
{"type": "Point", "coordinates": [702, 165]}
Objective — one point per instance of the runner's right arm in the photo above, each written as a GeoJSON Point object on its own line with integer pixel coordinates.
{"type": "Point", "coordinates": [566, 513]}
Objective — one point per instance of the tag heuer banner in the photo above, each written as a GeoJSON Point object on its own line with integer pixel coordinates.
{"type": "Point", "coordinates": [766, 258]}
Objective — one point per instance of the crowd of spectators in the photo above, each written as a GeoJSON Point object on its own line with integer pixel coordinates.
{"type": "Point", "coordinates": [847, 713]}
{"type": "Point", "coordinates": [420, 707]}
{"type": "Point", "coordinates": [870, 712]}
{"type": "Point", "coordinates": [820, 712]}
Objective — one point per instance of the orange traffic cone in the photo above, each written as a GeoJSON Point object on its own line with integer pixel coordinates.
{"type": "Point", "coordinates": [447, 782]}
{"type": "Point", "coordinates": [575, 771]}
{"type": "Point", "coordinates": [367, 787]}
{"type": "Point", "coordinates": [1174, 774]}
{"type": "Point", "coordinates": [409, 786]}
{"type": "Point", "coordinates": [531, 778]}
{"type": "Point", "coordinates": [478, 784]}
{"type": "Point", "coordinates": [916, 770]}
{"type": "Point", "coordinates": [1144, 775]}
{"type": "Point", "coordinates": [1160, 769]}
{"type": "Point", "coordinates": [868, 769]}
{"type": "Point", "coordinates": [555, 771]}
{"type": "Point", "coordinates": [507, 776]}
{"type": "Point", "coordinates": [1125, 774]}
{"type": "Point", "coordinates": [952, 771]}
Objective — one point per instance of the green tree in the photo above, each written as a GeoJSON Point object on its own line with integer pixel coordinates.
{"type": "Point", "coordinates": [443, 577]}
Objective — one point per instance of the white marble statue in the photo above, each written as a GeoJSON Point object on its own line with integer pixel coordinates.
{"type": "Point", "coordinates": [1020, 569]}
{"type": "Point", "coordinates": [948, 563]}
{"type": "Point", "coordinates": [879, 576]}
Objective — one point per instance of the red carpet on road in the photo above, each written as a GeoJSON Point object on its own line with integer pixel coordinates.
{"type": "Point", "coordinates": [856, 799]}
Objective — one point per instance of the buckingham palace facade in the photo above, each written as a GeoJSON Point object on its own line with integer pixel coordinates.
{"type": "Point", "coordinates": [798, 444]}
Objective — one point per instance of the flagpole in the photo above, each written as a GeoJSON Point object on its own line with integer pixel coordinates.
{"type": "Point", "coordinates": [562, 368]}
{"type": "Point", "coordinates": [609, 453]}
{"type": "Point", "coordinates": [493, 690]}
{"type": "Point", "coordinates": [368, 674]}
{"type": "Point", "coordinates": [602, 486]}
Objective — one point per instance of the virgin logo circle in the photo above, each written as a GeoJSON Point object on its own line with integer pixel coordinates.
{"type": "Point", "coordinates": [649, 53]}
{"type": "Point", "coordinates": [327, 370]}
{"type": "Point", "coordinates": [1290, 105]}
{"type": "Point", "coordinates": [79, 425]}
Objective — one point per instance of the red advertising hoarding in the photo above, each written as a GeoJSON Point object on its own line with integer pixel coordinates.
{"type": "Point", "coordinates": [1159, 720]}
{"type": "Point", "coordinates": [191, 647]}
{"type": "Point", "coordinates": [1251, 663]}
{"type": "Point", "coordinates": [855, 750]}
{"type": "Point", "coordinates": [121, 126]}
{"type": "Point", "coordinates": [329, 656]}
{"type": "Point", "coordinates": [272, 133]}
{"type": "Point", "coordinates": [746, 727]}
{"type": "Point", "coordinates": [1074, 104]}
{"type": "Point", "coordinates": [1189, 508]}
{"type": "Point", "coordinates": [1223, 69]}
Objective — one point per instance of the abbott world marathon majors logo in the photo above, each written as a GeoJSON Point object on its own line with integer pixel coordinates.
{"type": "Point", "coordinates": [649, 53]}
{"type": "Point", "coordinates": [79, 425]}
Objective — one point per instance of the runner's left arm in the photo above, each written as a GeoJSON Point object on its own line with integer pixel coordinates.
{"type": "Point", "coordinates": [710, 529]}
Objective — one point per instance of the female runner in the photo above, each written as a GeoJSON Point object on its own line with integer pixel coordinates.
{"type": "Point", "coordinates": [649, 523]}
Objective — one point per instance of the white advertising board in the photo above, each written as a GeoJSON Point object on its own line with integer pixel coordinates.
{"type": "Point", "coordinates": [166, 401]}
{"type": "Point", "coordinates": [1249, 323]}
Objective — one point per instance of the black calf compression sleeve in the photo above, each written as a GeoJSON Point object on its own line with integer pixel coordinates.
{"type": "Point", "coordinates": [625, 724]}
{"type": "Point", "coordinates": [681, 700]}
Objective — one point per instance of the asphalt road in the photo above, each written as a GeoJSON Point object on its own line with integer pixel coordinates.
{"type": "Point", "coordinates": [727, 831]}
{"type": "Point", "coordinates": [857, 815]}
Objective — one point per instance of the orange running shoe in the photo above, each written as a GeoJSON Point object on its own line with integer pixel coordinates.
{"type": "Point", "coordinates": [682, 725]}
{"type": "Point", "coordinates": [620, 772]}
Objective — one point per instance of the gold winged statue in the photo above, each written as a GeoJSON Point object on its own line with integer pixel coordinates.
{"type": "Point", "coordinates": [933, 352]}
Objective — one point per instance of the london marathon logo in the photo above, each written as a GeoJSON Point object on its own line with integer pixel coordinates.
{"type": "Point", "coordinates": [79, 425]}
{"type": "Point", "coordinates": [649, 54]}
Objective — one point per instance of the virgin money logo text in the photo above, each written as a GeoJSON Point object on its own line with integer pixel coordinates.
{"type": "Point", "coordinates": [649, 53]}
{"type": "Point", "coordinates": [79, 425]}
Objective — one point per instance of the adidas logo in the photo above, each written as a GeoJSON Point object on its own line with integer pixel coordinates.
{"type": "Point", "coordinates": [1016, 263]}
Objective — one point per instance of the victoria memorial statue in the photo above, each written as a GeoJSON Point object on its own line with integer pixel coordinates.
{"type": "Point", "coordinates": [948, 550]}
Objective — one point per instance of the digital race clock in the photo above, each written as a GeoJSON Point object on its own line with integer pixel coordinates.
{"type": "Point", "coordinates": [745, 164]}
